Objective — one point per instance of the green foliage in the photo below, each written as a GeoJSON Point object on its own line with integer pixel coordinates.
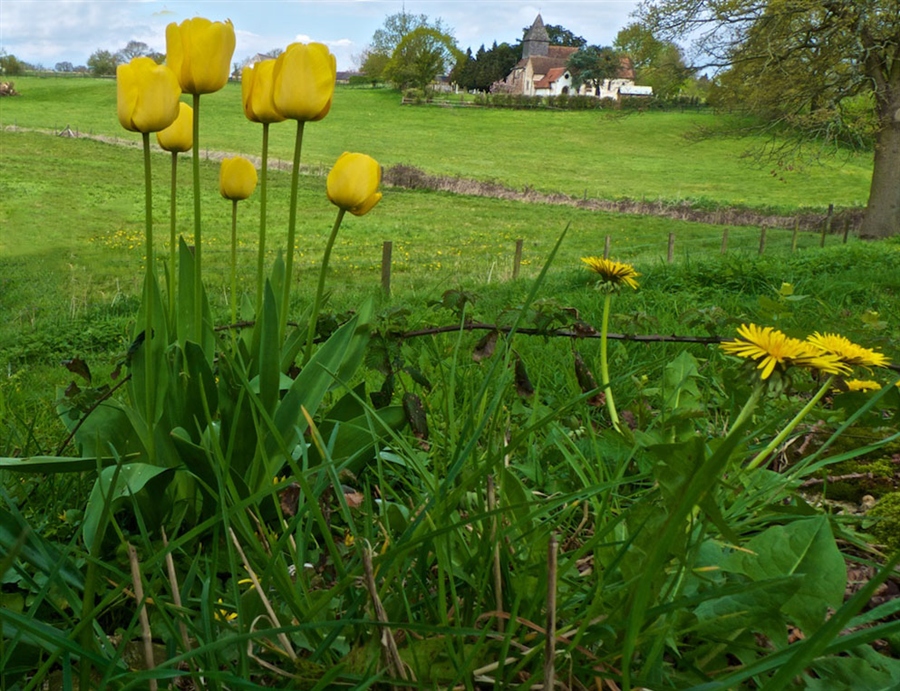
{"type": "Point", "coordinates": [594, 65]}
{"type": "Point", "coordinates": [10, 65]}
{"type": "Point", "coordinates": [886, 528]}
{"type": "Point", "coordinates": [421, 56]}
{"type": "Point", "coordinates": [103, 63]}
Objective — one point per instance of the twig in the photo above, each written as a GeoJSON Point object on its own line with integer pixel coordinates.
{"type": "Point", "coordinates": [265, 600]}
{"type": "Point", "coordinates": [142, 612]}
{"type": "Point", "coordinates": [388, 645]}
{"type": "Point", "coordinates": [813, 481]}
{"type": "Point", "coordinates": [176, 594]}
{"type": "Point", "coordinates": [564, 333]}
{"type": "Point", "coordinates": [90, 410]}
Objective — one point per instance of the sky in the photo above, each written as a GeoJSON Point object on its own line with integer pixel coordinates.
{"type": "Point", "coordinates": [45, 32]}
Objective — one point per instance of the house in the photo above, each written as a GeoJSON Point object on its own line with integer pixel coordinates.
{"type": "Point", "coordinates": [542, 71]}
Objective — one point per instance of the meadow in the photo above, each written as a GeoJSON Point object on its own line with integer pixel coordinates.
{"type": "Point", "coordinates": [458, 505]}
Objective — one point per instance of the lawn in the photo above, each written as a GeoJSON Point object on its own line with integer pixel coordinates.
{"type": "Point", "coordinates": [643, 156]}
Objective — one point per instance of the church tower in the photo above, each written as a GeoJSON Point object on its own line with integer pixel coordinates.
{"type": "Point", "coordinates": [537, 40]}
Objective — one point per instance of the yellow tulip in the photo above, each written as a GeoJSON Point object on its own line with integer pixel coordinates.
{"type": "Point", "coordinates": [179, 136]}
{"type": "Point", "coordinates": [257, 84]}
{"type": "Point", "coordinates": [199, 51]}
{"type": "Point", "coordinates": [353, 182]}
{"type": "Point", "coordinates": [147, 95]}
{"type": "Point", "coordinates": [237, 178]}
{"type": "Point", "coordinates": [304, 81]}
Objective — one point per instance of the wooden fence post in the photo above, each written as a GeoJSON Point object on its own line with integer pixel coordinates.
{"type": "Point", "coordinates": [387, 250]}
{"type": "Point", "coordinates": [606, 245]}
{"type": "Point", "coordinates": [724, 242]}
{"type": "Point", "coordinates": [670, 256]}
{"type": "Point", "coordinates": [517, 262]}
{"type": "Point", "coordinates": [762, 239]}
{"type": "Point", "coordinates": [826, 226]}
{"type": "Point", "coordinates": [846, 229]}
{"type": "Point", "coordinates": [794, 235]}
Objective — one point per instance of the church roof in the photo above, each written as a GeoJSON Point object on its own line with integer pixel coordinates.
{"type": "Point", "coordinates": [553, 74]}
{"type": "Point", "coordinates": [538, 32]}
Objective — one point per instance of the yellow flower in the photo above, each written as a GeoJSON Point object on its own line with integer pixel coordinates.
{"type": "Point", "coordinates": [304, 81]}
{"type": "Point", "coordinates": [199, 52]}
{"type": "Point", "coordinates": [612, 272]}
{"type": "Point", "coordinates": [146, 95]}
{"type": "Point", "coordinates": [179, 136]}
{"type": "Point", "coordinates": [353, 182]}
{"type": "Point", "coordinates": [773, 348]}
{"type": "Point", "coordinates": [224, 614]}
{"type": "Point", "coordinates": [237, 178]}
{"type": "Point", "coordinates": [847, 351]}
{"type": "Point", "coordinates": [257, 92]}
{"type": "Point", "coordinates": [862, 385]}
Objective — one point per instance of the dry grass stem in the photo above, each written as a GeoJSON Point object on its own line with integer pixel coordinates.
{"type": "Point", "coordinates": [142, 611]}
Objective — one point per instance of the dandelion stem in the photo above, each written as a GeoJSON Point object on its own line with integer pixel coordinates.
{"type": "Point", "coordinates": [261, 258]}
{"type": "Point", "coordinates": [172, 278]}
{"type": "Point", "coordinates": [198, 245]}
{"type": "Point", "coordinates": [776, 442]}
{"type": "Point", "coordinates": [604, 364]}
{"type": "Point", "coordinates": [292, 228]}
{"type": "Point", "coordinates": [321, 287]}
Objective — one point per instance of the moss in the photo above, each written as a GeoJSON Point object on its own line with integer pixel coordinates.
{"type": "Point", "coordinates": [881, 482]}
{"type": "Point", "coordinates": [887, 529]}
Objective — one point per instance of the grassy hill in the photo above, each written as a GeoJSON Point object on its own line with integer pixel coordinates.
{"type": "Point", "coordinates": [653, 155]}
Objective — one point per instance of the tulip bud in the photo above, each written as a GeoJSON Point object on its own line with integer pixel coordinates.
{"type": "Point", "coordinates": [179, 136]}
{"type": "Point", "coordinates": [146, 95]}
{"type": "Point", "coordinates": [304, 81]}
{"type": "Point", "coordinates": [257, 84]}
{"type": "Point", "coordinates": [199, 52]}
{"type": "Point", "coordinates": [237, 178]}
{"type": "Point", "coordinates": [353, 182]}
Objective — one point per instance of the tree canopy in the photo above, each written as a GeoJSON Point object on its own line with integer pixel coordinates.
{"type": "Point", "coordinates": [826, 72]}
{"type": "Point", "coordinates": [593, 65]}
{"type": "Point", "coordinates": [659, 64]}
{"type": "Point", "coordinates": [560, 36]}
{"type": "Point", "coordinates": [424, 54]}
{"type": "Point", "coordinates": [481, 70]}
{"type": "Point", "coordinates": [380, 59]}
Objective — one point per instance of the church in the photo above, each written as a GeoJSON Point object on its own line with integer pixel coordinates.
{"type": "Point", "coordinates": [542, 71]}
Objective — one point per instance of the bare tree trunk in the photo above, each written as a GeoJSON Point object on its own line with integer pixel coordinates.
{"type": "Point", "coordinates": [883, 210]}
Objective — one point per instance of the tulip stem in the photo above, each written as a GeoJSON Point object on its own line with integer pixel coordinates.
{"type": "Point", "coordinates": [234, 206]}
{"type": "Point", "coordinates": [149, 296]}
{"type": "Point", "coordinates": [261, 258]}
{"type": "Point", "coordinates": [776, 442]}
{"type": "Point", "coordinates": [198, 245]}
{"type": "Point", "coordinates": [172, 247]}
{"type": "Point", "coordinates": [292, 226]}
{"type": "Point", "coordinates": [320, 289]}
{"type": "Point", "coordinates": [604, 365]}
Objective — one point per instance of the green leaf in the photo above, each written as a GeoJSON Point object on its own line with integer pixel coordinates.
{"type": "Point", "coordinates": [132, 478]}
{"type": "Point", "coordinates": [269, 364]}
{"type": "Point", "coordinates": [804, 548]}
{"type": "Point", "coordinates": [53, 464]}
{"type": "Point", "coordinates": [106, 427]}
{"type": "Point", "coordinates": [865, 670]}
{"type": "Point", "coordinates": [35, 550]}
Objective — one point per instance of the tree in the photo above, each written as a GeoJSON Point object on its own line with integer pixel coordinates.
{"type": "Point", "coordinates": [560, 36]}
{"type": "Point", "coordinates": [10, 65]}
{"type": "Point", "coordinates": [397, 26]}
{"type": "Point", "coordinates": [133, 49]}
{"type": "Point", "coordinates": [64, 67]}
{"type": "Point", "coordinates": [480, 71]}
{"type": "Point", "coordinates": [806, 65]}
{"type": "Point", "coordinates": [422, 55]}
{"type": "Point", "coordinates": [593, 65]}
{"type": "Point", "coordinates": [373, 64]}
{"type": "Point", "coordinates": [657, 63]}
{"type": "Point", "coordinates": [102, 63]}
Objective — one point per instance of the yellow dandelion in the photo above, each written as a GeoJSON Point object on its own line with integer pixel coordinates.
{"type": "Point", "coordinates": [224, 614]}
{"type": "Point", "coordinates": [847, 351]}
{"type": "Point", "coordinates": [772, 349]}
{"type": "Point", "coordinates": [864, 385]}
{"type": "Point", "coordinates": [612, 272]}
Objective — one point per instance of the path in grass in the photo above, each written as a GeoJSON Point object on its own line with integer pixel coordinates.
{"type": "Point", "coordinates": [411, 177]}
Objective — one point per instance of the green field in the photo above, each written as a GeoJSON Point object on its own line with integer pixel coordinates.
{"type": "Point", "coordinates": [649, 156]}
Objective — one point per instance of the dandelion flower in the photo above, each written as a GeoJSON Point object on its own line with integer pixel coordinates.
{"type": "Point", "coordinates": [612, 272]}
{"type": "Point", "coordinates": [847, 351]}
{"type": "Point", "coordinates": [864, 385]}
{"type": "Point", "coordinates": [772, 349]}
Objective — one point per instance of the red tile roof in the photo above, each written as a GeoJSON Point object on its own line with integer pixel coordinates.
{"type": "Point", "coordinates": [553, 74]}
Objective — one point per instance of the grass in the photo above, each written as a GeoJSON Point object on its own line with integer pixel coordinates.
{"type": "Point", "coordinates": [507, 496]}
{"type": "Point", "coordinates": [647, 156]}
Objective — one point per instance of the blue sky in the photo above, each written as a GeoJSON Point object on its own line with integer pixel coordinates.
{"type": "Point", "coordinates": [49, 31]}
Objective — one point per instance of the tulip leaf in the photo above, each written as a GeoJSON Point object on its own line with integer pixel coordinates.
{"type": "Point", "coordinates": [130, 480]}
{"type": "Point", "coordinates": [16, 536]}
{"type": "Point", "coordinates": [269, 370]}
{"type": "Point", "coordinates": [54, 464]}
{"type": "Point", "coordinates": [104, 427]}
